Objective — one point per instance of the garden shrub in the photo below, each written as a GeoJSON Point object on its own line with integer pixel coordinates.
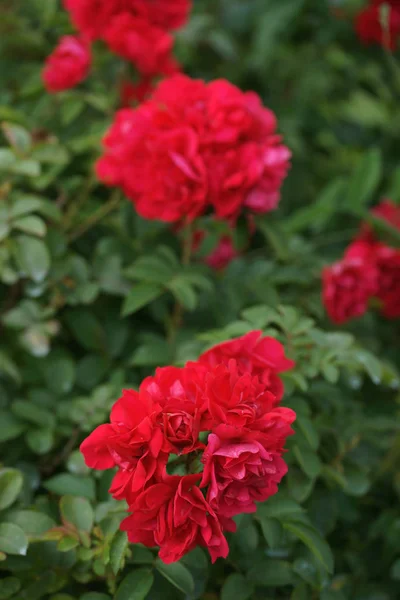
{"type": "Point", "coordinates": [98, 290]}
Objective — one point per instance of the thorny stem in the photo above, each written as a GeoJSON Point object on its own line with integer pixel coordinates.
{"type": "Point", "coordinates": [177, 313]}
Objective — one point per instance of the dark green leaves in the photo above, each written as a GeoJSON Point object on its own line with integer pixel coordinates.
{"type": "Point", "coordinates": [12, 539]}
{"type": "Point", "coordinates": [140, 295]}
{"type": "Point", "coordinates": [178, 575]}
{"type": "Point", "coordinates": [78, 512]}
{"type": "Point", "coordinates": [33, 257]}
{"type": "Point", "coordinates": [135, 586]}
{"type": "Point", "coordinates": [311, 538]}
{"type": "Point", "coordinates": [364, 181]}
{"type": "Point", "coordinates": [238, 587]}
{"type": "Point", "coordinates": [11, 482]}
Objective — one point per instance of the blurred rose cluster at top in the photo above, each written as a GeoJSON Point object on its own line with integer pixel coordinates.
{"type": "Point", "coordinates": [368, 273]}
{"type": "Point", "coordinates": [139, 31]}
{"type": "Point", "coordinates": [379, 23]}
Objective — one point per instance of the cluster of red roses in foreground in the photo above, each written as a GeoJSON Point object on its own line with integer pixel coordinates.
{"type": "Point", "coordinates": [370, 24]}
{"type": "Point", "coordinates": [195, 146]}
{"type": "Point", "coordinates": [220, 420]}
{"type": "Point", "coordinates": [369, 269]}
{"type": "Point", "coordinates": [136, 30]}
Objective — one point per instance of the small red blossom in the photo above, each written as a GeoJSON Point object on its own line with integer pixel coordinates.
{"type": "Point", "coordinates": [148, 47]}
{"type": "Point", "coordinates": [387, 262]}
{"type": "Point", "coordinates": [132, 442]}
{"type": "Point", "coordinates": [175, 516]}
{"type": "Point", "coordinates": [68, 65]}
{"type": "Point", "coordinates": [369, 24]}
{"type": "Point", "coordinates": [193, 147]}
{"type": "Point", "coordinates": [261, 356]}
{"type": "Point", "coordinates": [240, 470]}
{"type": "Point", "coordinates": [348, 285]}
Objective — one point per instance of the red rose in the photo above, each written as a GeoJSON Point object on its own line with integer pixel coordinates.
{"type": "Point", "coordinates": [349, 284]}
{"type": "Point", "coordinates": [148, 47]}
{"type": "Point", "coordinates": [175, 516]}
{"type": "Point", "coordinates": [369, 27]}
{"type": "Point", "coordinates": [261, 356]}
{"type": "Point", "coordinates": [387, 261]}
{"type": "Point", "coordinates": [245, 401]}
{"type": "Point", "coordinates": [196, 146]}
{"type": "Point", "coordinates": [240, 471]}
{"type": "Point", "coordinates": [132, 441]}
{"type": "Point", "coordinates": [68, 65]}
{"type": "Point", "coordinates": [92, 17]}
{"type": "Point", "coordinates": [180, 393]}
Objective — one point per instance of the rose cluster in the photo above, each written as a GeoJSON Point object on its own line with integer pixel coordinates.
{"type": "Point", "coordinates": [137, 30]}
{"type": "Point", "coordinates": [370, 24]}
{"type": "Point", "coordinates": [196, 146]}
{"type": "Point", "coordinates": [220, 420]}
{"type": "Point", "coordinates": [369, 270]}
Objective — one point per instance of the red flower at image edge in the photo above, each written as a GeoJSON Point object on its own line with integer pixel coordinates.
{"type": "Point", "coordinates": [369, 26]}
{"type": "Point", "coordinates": [195, 146]}
{"type": "Point", "coordinates": [68, 65]}
{"type": "Point", "coordinates": [349, 284]}
{"type": "Point", "coordinates": [234, 405]}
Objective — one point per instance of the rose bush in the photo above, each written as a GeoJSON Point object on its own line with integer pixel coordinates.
{"type": "Point", "coordinates": [272, 309]}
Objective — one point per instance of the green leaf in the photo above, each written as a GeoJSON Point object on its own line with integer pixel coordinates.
{"type": "Point", "coordinates": [31, 224]}
{"type": "Point", "coordinates": [135, 586]}
{"type": "Point", "coordinates": [364, 181]}
{"type": "Point", "coordinates": [271, 573]}
{"type": "Point", "coordinates": [32, 522]}
{"type": "Point", "coordinates": [357, 482]}
{"type": "Point", "coordinates": [237, 587]}
{"type": "Point", "coordinates": [12, 539]}
{"type": "Point", "coordinates": [118, 548]}
{"type": "Point", "coordinates": [272, 24]}
{"type": "Point", "coordinates": [60, 374]}
{"type": "Point", "coordinates": [183, 292]}
{"type": "Point", "coordinates": [10, 426]}
{"type": "Point", "coordinates": [40, 441]}
{"type": "Point", "coordinates": [8, 587]}
{"type": "Point", "coordinates": [11, 482]}
{"type": "Point", "coordinates": [279, 507]}
{"type": "Point", "coordinates": [33, 257]}
{"type": "Point", "coordinates": [272, 531]}
{"type": "Point", "coordinates": [312, 539]}
{"type": "Point", "coordinates": [77, 511]}
{"type": "Point", "coordinates": [309, 431]}
{"type": "Point", "coordinates": [18, 137]}
{"type": "Point", "coordinates": [140, 295]}
{"type": "Point", "coordinates": [71, 484]}
{"type": "Point", "coordinates": [28, 411]}
{"type": "Point", "coordinates": [176, 574]}
{"type": "Point", "coordinates": [24, 205]}
{"type": "Point", "coordinates": [86, 328]}
{"type": "Point", "coordinates": [308, 460]}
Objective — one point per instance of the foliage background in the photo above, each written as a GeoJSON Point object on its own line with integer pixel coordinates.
{"type": "Point", "coordinates": [88, 289]}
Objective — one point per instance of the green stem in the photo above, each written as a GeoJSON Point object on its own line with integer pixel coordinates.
{"type": "Point", "coordinates": [177, 313]}
{"type": "Point", "coordinates": [97, 216]}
